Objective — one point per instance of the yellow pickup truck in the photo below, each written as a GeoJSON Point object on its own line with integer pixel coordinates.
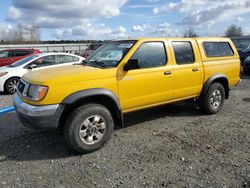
{"type": "Point", "coordinates": [88, 100]}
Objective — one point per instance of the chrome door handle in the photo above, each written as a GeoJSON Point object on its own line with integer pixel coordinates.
{"type": "Point", "coordinates": [195, 69]}
{"type": "Point", "coordinates": [167, 73]}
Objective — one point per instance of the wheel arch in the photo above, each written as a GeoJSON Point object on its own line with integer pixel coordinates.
{"type": "Point", "coordinates": [218, 78]}
{"type": "Point", "coordinates": [100, 96]}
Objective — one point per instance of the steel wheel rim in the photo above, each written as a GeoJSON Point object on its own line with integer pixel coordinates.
{"type": "Point", "coordinates": [12, 86]}
{"type": "Point", "coordinates": [216, 99]}
{"type": "Point", "coordinates": [92, 129]}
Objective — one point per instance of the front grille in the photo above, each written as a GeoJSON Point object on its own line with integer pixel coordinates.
{"type": "Point", "coordinates": [21, 86]}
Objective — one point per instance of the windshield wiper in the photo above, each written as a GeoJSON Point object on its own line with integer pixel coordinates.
{"type": "Point", "coordinates": [11, 65]}
{"type": "Point", "coordinates": [98, 63]}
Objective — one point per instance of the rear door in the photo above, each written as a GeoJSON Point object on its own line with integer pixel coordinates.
{"type": "Point", "coordinates": [188, 68]}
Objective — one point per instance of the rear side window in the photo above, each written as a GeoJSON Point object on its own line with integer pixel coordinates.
{"type": "Point", "coordinates": [65, 59]}
{"type": "Point", "coordinates": [22, 53]}
{"type": "Point", "coordinates": [76, 59]}
{"type": "Point", "coordinates": [184, 53]}
{"type": "Point", "coordinates": [5, 54]}
{"type": "Point", "coordinates": [151, 54]}
{"type": "Point", "coordinates": [218, 49]}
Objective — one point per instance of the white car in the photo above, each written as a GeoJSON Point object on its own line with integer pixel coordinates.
{"type": "Point", "coordinates": [10, 75]}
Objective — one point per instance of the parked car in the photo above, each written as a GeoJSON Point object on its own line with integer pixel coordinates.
{"type": "Point", "coordinates": [10, 56]}
{"type": "Point", "coordinates": [10, 75]}
{"type": "Point", "coordinates": [244, 54]}
{"type": "Point", "coordinates": [85, 53]}
{"type": "Point", "coordinates": [246, 65]}
{"type": "Point", "coordinates": [86, 101]}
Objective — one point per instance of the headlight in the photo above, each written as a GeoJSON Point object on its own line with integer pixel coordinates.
{"type": "Point", "coordinates": [36, 93]}
{"type": "Point", "coordinates": [3, 73]}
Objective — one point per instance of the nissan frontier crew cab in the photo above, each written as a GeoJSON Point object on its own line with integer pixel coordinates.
{"type": "Point", "coordinates": [88, 100]}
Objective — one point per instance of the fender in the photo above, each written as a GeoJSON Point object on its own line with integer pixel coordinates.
{"type": "Point", "coordinates": [117, 112]}
{"type": "Point", "coordinates": [90, 93]}
{"type": "Point", "coordinates": [212, 79]}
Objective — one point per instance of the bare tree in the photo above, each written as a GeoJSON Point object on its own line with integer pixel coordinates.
{"type": "Point", "coordinates": [190, 32]}
{"type": "Point", "coordinates": [233, 31]}
{"type": "Point", "coordinates": [18, 34]}
{"type": "Point", "coordinates": [25, 33]}
{"type": "Point", "coordinates": [34, 34]}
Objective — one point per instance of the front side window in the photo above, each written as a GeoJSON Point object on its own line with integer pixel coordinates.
{"type": "Point", "coordinates": [150, 54]}
{"type": "Point", "coordinates": [218, 49]}
{"type": "Point", "coordinates": [184, 53]}
{"type": "Point", "coordinates": [5, 54]}
{"type": "Point", "coordinates": [109, 54]}
{"type": "Point", "coordinates": [45, 61]}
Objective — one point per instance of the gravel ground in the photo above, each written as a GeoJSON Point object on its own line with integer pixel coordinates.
{"type": "Point", "coordinates": [170, 146]}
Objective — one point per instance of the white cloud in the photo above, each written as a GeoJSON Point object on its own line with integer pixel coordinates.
{"type": "Point", "coordinates": [207, 11]}
{"type": "Point", "coordinates": [90, 31]}
{"type": "Point", "coordinates": [14, 13]}
{"type": "Point", "coordinates": [239, 19]}
{"type": "Point", "coordinates": [157, 30]}
{"type": "Point", "coordinates": [164, 30]}
{"type": "Point", "coordinates": [63, 9]}
{"type": "Point", "coordinates": [67, 17]}
{"type": "Point", "coordinates": [153, 1]}
{"type": "Point", "coordinates": [137, 28]}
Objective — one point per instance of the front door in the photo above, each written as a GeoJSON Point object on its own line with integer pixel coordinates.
{"type": "Point", "coordinates": [151, 83]}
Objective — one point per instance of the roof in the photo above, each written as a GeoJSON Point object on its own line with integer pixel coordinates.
{"type": "Point", "coordinates": [15, 49]}
{"type": "Point", "coordinates": [55, 53]}
{"type": "Point", "coordinates": [174, 38]}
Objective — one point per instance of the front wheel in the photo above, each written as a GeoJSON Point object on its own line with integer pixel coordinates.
{"type": "Point", "coordinates": [88, 128]}
{"type": "Point", "coordinates": [213, 100]}
{"type": "Point", "coordinates": [11, 85]}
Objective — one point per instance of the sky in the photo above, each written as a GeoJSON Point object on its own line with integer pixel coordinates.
{"type": "Point", "coordinates": [120, 19]}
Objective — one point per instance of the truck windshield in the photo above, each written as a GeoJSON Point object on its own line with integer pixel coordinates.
{"type": "Point", "coordinates": [109, 54]}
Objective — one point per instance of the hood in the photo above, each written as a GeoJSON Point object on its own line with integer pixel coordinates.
{"type": "Point", "coordinates": [67, 74]}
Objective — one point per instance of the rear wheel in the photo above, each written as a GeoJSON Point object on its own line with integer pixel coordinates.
{"type": "Point", "coordinates": [213, 100]}
{"type": "Point", "coordinates": [88, 128]}
{"type": "Point", "coordinates": [11, 85]}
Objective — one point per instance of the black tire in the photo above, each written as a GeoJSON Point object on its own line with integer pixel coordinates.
{"type": "Point", "coordinates": [77, 122]}
{"type": "Point", "coordinates": [210, 102]}
{"type": "Point", "coordinates": [10, 85]}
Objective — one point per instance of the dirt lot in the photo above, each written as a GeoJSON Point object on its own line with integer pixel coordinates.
{"type": "Point", "coordinates": [171, 146]}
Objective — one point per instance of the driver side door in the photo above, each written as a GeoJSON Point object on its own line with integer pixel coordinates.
{"type": "Point", "coordinates": [151, 83]}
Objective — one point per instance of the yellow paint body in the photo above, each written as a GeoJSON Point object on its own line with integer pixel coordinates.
{"type": "Point", "coordinates": [140, 88]}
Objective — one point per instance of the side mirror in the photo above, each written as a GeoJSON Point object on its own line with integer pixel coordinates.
{"type": "Point", "coordinates": [32, 66]}
{"type": "Point", "coordinates": [131, 65]}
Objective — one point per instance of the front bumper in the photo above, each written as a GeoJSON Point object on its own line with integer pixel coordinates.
{"type": "Point", "coordinates": [40, 117]}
